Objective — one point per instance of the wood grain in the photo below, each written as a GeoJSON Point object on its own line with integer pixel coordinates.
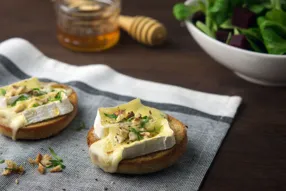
{"type": "Point", "coordinates": [252, 156]}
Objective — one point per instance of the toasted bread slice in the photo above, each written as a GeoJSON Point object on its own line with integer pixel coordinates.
{"type": "Point", "coordinates": [156, 161]}
{"type": "Point", "coordinates": [46, 128]}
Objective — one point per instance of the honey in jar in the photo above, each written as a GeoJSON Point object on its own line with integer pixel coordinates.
{"type": "Point", "coordinates": [88, 25]}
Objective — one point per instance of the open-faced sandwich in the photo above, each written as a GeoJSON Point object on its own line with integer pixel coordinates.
{"type": "Point", "coordinates": [31, 109]}
{"type": "Point", "coordinates": [135, 139]}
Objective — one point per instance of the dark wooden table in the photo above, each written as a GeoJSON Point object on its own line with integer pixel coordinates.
{"type": "Point", "coordinates": [253, 155]}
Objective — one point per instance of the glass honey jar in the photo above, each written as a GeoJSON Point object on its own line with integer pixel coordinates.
{"type": "Point", "coordinates": [88, 25]}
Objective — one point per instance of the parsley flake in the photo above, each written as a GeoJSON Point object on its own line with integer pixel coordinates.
{"type": "Point", "coordinates": [81, 126]}
{"type": "Point", "coordinates": [112, 116]}
{"type": "Point", "coordinates": [2, 92]}
{"type": "Point", "coordinates": [56, 161]}
{"type": "Point", "coordinates": [144, 121]}
{"type": "Point", "coordinates": [21, 98]}
{"type": "Point", "coordinates": [139, 136]}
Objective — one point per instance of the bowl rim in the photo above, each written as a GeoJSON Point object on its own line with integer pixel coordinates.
{"type": "Point", "coordinates": [187, 22]}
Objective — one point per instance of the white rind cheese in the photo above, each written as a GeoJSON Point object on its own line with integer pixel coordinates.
{"type": "Point", "coordinates": [48, 111]}
{"type": "Point", "coordinates": [100, 129]}
{"type": "Point", "coordinates": [108, 152]}
{"type": "Point", "coordinates": [155, 144]}
{"type": "Point", "coordinates": [30, 101]}
{"type": "Point", "coordinates": [3, 102]}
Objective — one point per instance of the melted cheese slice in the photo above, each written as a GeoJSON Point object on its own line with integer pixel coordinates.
{"type": "Point", "coordinates": [29, 83]}
{"type": "Point", "coordinates": [107, 152]}
{"type": "Point", "coordinates": [17, 120]}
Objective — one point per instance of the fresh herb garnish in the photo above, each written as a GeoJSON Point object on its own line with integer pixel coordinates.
{"type": "Point", "coordinates": [21, 98]}
{"type": "Point", "coordinates": [2, 92]}
{"type": "Point", "coordinates": [139, 136]}
{"type": "Point", "coordinates": [39, 92]}
{"type": "Point", "coordinates": [81, 126]}
{"type": "Point", "coordinates": [144, 121]}
{"type": "Point", "coordinates": [130, 119]}
{"type": "Point", "coordinates": [112, 116]}
{"type": "Point", "coordinates": [2, 161]}
{"type": "Point", "coordinates": [58, 97]}
{"type": "Point", "coordinates": [12, 169]}
{"type": "Point", "coordinates": [36, 105]}
{"type": "Point", "coordinates": [56, 161]}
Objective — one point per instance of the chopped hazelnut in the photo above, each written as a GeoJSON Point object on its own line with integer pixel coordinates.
{"type": "Point", "coordinates": [31, 161]}
{"type": "Point", "coordinates": [21, 90]}
{"type": "Point", "coordinates": [6, 172]}
{"type": "Point", "coordinates": [19, 108]}
{"type": "Point", "coordinates": [41, 169]}
{"type": "Point", "coordinates": [38, 158]}
{"type": "Point", "coordinates": [46, 160]}
{"type": "Point", "coordinates": [130, 114]}
{"type": "Point", "coordinates": [21, 170]}
{"type": "Point", "coordinates": [56, 169]}
{"type": "Point", "coordinates": [132, 136]}
{"type": "Point", "coordinates": [145, 134]}
{"type": "Point", "coordinates": [12, 167]}
{"type": "Point", "coordinates": [138, 115]}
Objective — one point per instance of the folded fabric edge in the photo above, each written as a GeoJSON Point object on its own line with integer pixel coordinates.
{"type": "Point", "coordinates": [209, 103]}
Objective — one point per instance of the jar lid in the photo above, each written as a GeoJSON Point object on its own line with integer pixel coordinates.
{"type": "Point", "coordinates": [87, 5]}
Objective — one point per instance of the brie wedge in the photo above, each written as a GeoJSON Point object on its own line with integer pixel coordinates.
{"type": "Point", "coordinates": [30, 101]}
{"type": "Point", "coordinates": [128, 131]}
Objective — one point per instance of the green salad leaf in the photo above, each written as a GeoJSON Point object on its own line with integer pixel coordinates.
{"type": "Point", "coordinates": [255, 39]}
{"type": "Point", "coordinates": [228, 38]}
{"type": "Point", "coordinates": [274, 36]}
{"type": "Point", "coordinates": [252, 32]}
{"type": "Point", "coordinates": [278, 16]}
{"type": "Point", "coordinates": [236, 31]}
{"type": "Point", "coordinates": [183, 12]}
{"type": "Point", "coordinates": [257, 8]}
{"type": "Point", "coordinates": [283, 5]}
{"type": "Point", "coordinates": [227, 24]}
{"type": "Point", "coordinates": [276, 4]}
{"type": "Point", "coordinates": [268, 36]}
{"type": "Point", "coordinates": [220, 11]}
{"type": "Point", "coordinates": [205, 29]}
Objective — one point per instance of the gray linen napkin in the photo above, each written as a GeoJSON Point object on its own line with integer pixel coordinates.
{"type": "Point", "coordinates": [208, 117]}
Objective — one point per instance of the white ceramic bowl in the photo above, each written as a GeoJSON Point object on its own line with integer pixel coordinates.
{"type": "Point", "coordinates": [264, 69]}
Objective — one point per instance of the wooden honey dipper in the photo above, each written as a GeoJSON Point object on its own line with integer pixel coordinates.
{"type": "Point", "coordinates": [146, 30]}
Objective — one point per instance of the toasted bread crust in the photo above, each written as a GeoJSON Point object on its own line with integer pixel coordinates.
{"type": "Point", "coordinates": [156, 161]}
{"type": "Point", "coordinates": [46, 128]}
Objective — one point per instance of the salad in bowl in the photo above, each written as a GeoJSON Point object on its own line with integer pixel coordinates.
{"type": "Point", "coordinates": [256, 25]}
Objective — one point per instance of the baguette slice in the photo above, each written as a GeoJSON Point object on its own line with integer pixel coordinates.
{"type": "Point", "coordinates": [156, 161]}
{"type": "Point", "coordinates": [46, 128]}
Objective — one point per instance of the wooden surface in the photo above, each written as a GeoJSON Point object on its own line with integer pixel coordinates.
{"type": "Point", "coordinates": [253, 155]}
